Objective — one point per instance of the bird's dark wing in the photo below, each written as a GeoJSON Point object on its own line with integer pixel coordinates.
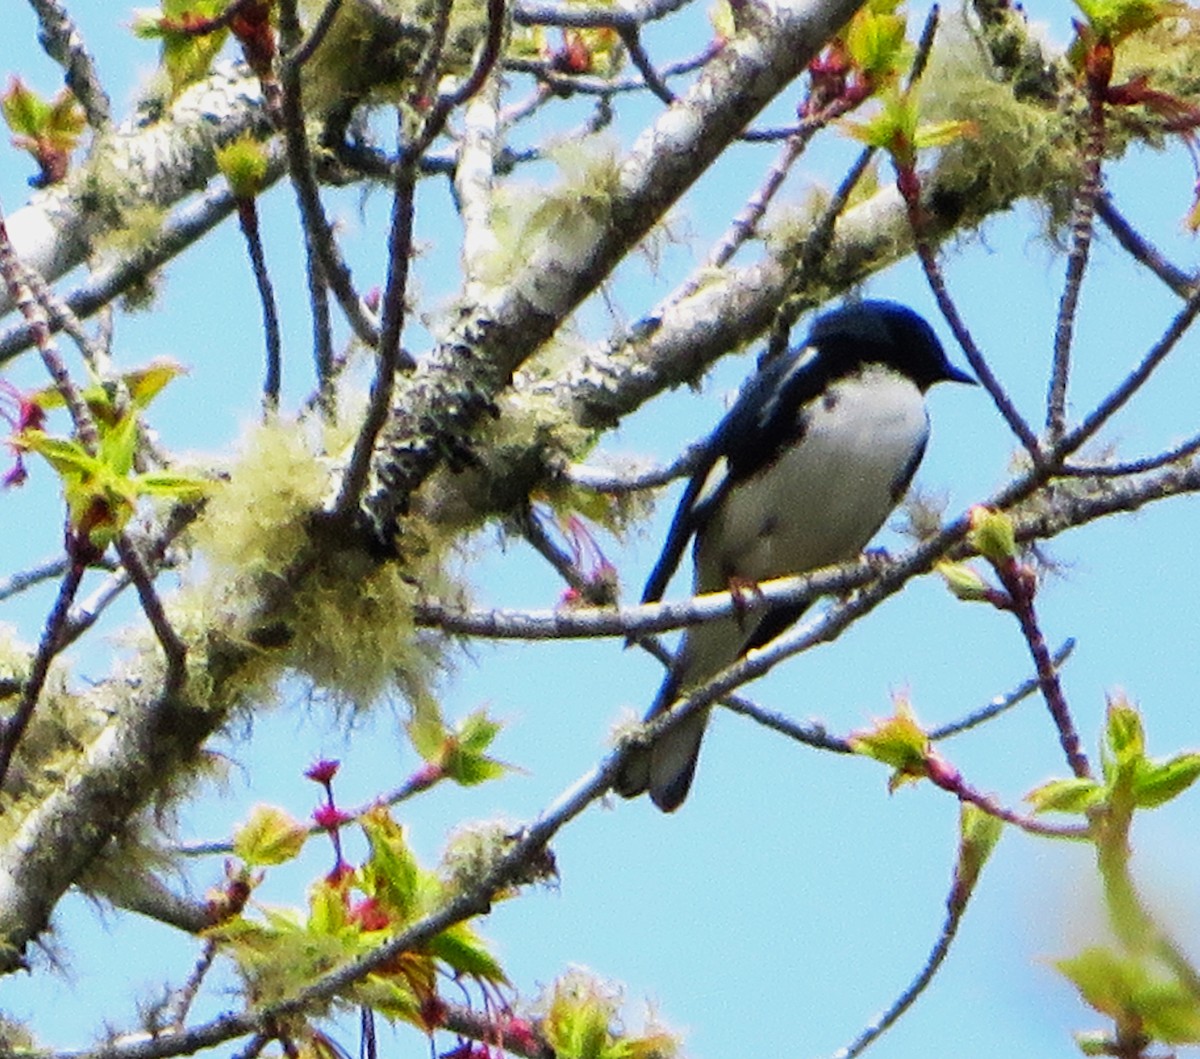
{"type": "Point", "coordinates": [683, 527]}
{"type": "Point", "coordinates": [764, 420]}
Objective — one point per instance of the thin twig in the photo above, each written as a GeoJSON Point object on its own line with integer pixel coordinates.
{"type": "Point", "coordinates": [390, 354]}
{"type": "Point", "coordinates": [810, 733]}
{"type": "Point", "coordinates": [12, 728]}
{"type": "Point", "coordinates": [564, 84]}
{"type": "Point", "coordinates": [191, 989]}
{"type": "Point", "coordinates": [1133, 382]}
{"type": "Point", "coordinates": [15, 280]}
{"type": "Point", "coordinates": [419, 782]}
{"type": "Point", "coordinates": [564, 564]}
{"type": "Point", "coordinates": [631, 38]}
{"type": "Point", "coordinates": [816, 243]}
{"type": "Point", "coordinates": [180, 230]}
{"type": "Point", "coordinates": [425, 77]}
{"type": "Point", "coordinates": [983, 372]}
{"type": "Point", "coordinates": [36, 575]}
{"type": "Point", "coordinates": [1142, 251]}
{"type": "Point", "coordinates": [304, 50]}
{"type": "Point", "coordinates": [933, 962]}
{"type": "Point", "coordinates": [617, 483]}
{"type": "Point", "coordinates": [1182, 451]}
{"type": "Point", "coordinates": [63, 43]}
{"type": "Point", "coordinates": [1082, 228]}
{"type": "Point", "coordinates": [62, 315]}
{"type": "Point", "coordinates": [272, 379]}
{"type": "Point", "coordinates": [173, 647]}
{"type": "Point", "coordinates": [1002, 703]}
{"type": "Point", "coordinates": [1020, 584]}
{"type": "Point", "coordinates": [325, 264]}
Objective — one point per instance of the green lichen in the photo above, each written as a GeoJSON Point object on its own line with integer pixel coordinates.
{"type": "Point", "coordinates": [295, 599]}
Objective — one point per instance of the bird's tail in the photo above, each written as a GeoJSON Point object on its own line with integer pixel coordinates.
{"type": "Point", "coordinates": [666, 766]}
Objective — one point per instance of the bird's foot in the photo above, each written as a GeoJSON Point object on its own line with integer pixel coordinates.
{"type": "Point", "coordinates": [746, 594]}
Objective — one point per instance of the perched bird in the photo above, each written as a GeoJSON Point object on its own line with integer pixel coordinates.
{"type": "Point", "coordinates": [818, 449]}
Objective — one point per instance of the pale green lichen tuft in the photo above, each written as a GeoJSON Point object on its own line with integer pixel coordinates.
{"type": "Point", "coordinates": [563, 222]}
{"type": "Point", "coordinates": [62, 723]}
{"type": "Point", "coordinates": [1018, 149]}
{"type": "Point", "coordinates": [296, 599]}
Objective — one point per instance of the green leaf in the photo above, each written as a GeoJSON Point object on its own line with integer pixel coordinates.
{"type": "Point", "coordinates": [181, 487]}
{"type": "Point", "coordinates": [1066, 796]}
{"type": "Point", "coordinates": [1123, 733]}
{"type": "Point", "coordinates": [470, 770]}
{"type": "Point", "coordinates": [25, 112]}
{"type": "Point", "coordinates": [391, 873]}
{"type": "Point", "coordinates": [391, 998]}
{"type": "Point", "coordinates": [118, 443]}
{"type": "Point", "coordinates": [186, 57]}
{"type": "Point", "coordinates": [66, 457]}
{"type": "Point", "coordinates": [1135, 996]}
{"type": "Point", "coordinates": [1105, 979]}
{"type": "Point", "coordinates": [893, 129]}
{"type": "Point", "coordinates": [477, 731]}
{"type": "Point", "coordinates": [465, 953]}
{"type": "Point", "coordinates": [876, 44]}
{"type": "Point", "coordinates": [327, 909]}
{"type": "Point", "coordinates": [978, 833]}
{"type": "Point", "coordinates": [940, 133]}
{"type": "Point", "coordinates": [992, 534]}
{"type": "Point", "coordinates": [1113, 20]}
{"type": "Point", "coordinates": [427, 731]}
{"type": "Point", "coordinates": [243, 163]}
{"type": "Point", "coordinates": [144, 384]}
{"type": "Point", "coordinates": [964, 581]}
{"type": "Point", "coordinates": [270, 836]}
{"type": "Point", "coordinates": [1157, 783]}
{"type": "Point", "coordinates": [898, 741]}
{"type": "Point", "coordinates": [1170, 1013]}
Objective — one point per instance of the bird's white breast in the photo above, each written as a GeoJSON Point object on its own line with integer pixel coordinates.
{"type": "Point", "coordinates": [824, 498]}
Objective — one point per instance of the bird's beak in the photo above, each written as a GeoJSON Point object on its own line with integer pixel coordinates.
{"type": "Point", "coordinates": [954, 374]}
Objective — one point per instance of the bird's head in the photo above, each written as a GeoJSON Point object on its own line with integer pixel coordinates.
{"type": "Point", "coordinates": [885, 332]}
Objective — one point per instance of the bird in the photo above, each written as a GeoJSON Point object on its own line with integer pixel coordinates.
{"type": "Point", "coordinates": [817, 450]}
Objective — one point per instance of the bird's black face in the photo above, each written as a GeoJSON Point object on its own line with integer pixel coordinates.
{"type": "Point", "coordinates": [884, 332]}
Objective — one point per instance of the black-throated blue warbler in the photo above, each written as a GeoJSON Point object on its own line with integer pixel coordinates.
{"type": "Point", "coordinates": [816, 452]}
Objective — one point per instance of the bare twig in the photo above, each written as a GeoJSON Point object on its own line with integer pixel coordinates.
{"type": "Point", "coordinates": [36, 575]}
{"type": "Point", "coordinates": [1182, 451]}
{"type": "Point", "coordinates": [602, 16]}
{"type": "Point", "coordinates": [617, 483]}
{"type": "Point", "coordinates": [14, 725]}
{"type": "Point", "coordinates": [632, 40]}
{"type": "Point", "coordinates": [15, 280]}
{"type": "Point", "coordinates": [1021, 585]}
{"type": "Point", "coordinates": [810, 733]}
{"type": "Point", "coordinates": [173, 647]}
{"type": "Point", "coordinates": [956, 906]}
{"type": "Point", "coordinates": [563, 84]}
{"type": "Point", "coordinates": [248, 219]}
{"type": "Point", "coordinates": [326, 266]}
{"type": "Point", "coordinates": [1001, 704]}
{"type": "Point", "coordinates": [983, 371]}
{"type": "Point", "coordinates": [304, 50]}
{"type": "Point", "coordinates": [1133, 381]}
{"type": "Point", "coordinates": [179, 231]}
{"type": "Point", "coordinates": [61, 38]}
{"type": "Point", "coordinates": [1142, 251]}
{"type": "Point", "coordinates": [391, 357]}
{"type": "Point", "coordinates": [1082, 227]}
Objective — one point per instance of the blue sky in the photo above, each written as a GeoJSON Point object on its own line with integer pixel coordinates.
{"type": "Point", "coordinates": [792, 898]}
